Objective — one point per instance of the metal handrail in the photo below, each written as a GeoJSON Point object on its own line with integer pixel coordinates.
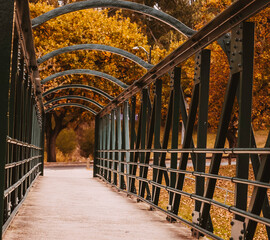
{"type": "Point", "coordinates": [15, 164]}
{"type": "Point", "coordinates": [195, 150]}
{"type": "Point", "coordinates": [19, 182]}
{"type": "Point", "coordinates": [23, 144]}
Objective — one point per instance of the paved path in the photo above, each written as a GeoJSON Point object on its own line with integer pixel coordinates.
{"type": "Point", "coordinates": [67, 203]}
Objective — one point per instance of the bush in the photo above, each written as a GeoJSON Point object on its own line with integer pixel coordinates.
{"type": "Point", "coordinates": [66, 141]}
{"type": "Point", "coordinates": [87, 142]}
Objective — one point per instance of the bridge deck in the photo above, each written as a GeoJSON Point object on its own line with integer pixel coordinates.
{"type": "Point", "coordinates": [67, 203]}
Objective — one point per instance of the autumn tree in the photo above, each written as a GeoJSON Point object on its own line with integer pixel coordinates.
{"type": "Point", "coordinates": [157, 32]}
{"type": "Point", "coordinates": [220, 71]}
{"type": "Point", "coordinates": [87, 142]}
{"type": "Point", "coordinates": [88, 26]}
{"type": "Point", "coordinates": [66, 141]}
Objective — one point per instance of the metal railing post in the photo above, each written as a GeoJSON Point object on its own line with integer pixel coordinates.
{"type": "Point", "coordinates": [242, 46]}
{"type": "Point", "coordinates": [97, 147]}
{"type": "Point", "coordinates": [202, 74]}
{"type": "Point", "coordinates": [42, 142]}
{"type": "Point", "coordinates": [126, 138]}
{"type": "Point", "coordinates": [175, 126]}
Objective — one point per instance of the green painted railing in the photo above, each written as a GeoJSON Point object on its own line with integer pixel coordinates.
{"type": "Point", "coordinates": [131, 156]}
{"type": "Point", "coordinates": [21, 118]}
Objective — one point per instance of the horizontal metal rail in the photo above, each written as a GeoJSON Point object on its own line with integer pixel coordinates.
{"type": "Point", "coordinates": [14, 212]}
{"type": "Point", "coordinates": [231, 209]}
{"type": "Point", "coordinates": [18, 183]}
{"type": "Point", "coordinates": [196, 150]}
{"type": "Point", "coordinates": [23, 144]}
{"type": "Point", "coordinates": [174, 216]}
{"type": "Point", "coordinates": [194, 173]}
{"type": "Point", "coordinates": [15, 164]}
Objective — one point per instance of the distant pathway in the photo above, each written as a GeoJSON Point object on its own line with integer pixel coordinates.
{"type": "Point", "coordinates": [67, 203]}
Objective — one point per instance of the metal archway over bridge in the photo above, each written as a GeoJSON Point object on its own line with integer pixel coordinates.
{"type": "Point", "coordinates": [143, 9]}
{"type": "Point", "coordinates": [85, 71]}
{"type": "Point", "coordinates": [169, 20]}
{"type": "Point", "coordinates": [71, 105]}
{"type": "Point", "coordinates": [78, 86]}
{"type": "Point", "coordinates": [97, 47]}
{"type": "Point", "coordinates": [123, 148]}
{"type": "Point", "coordinates": [73, 97]}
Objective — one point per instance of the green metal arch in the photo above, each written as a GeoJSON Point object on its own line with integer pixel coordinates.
{"type": "Point", "coordinates": [136, 7]}
{"type": "Point", "coordinates": [98, 47]}
{"type": "Point", "coordinates": [71, 105]}
{"type": "Point", "coordinates": [74, 97]}
{"type": "Point", "coordinates": [80, 86]}
{"type": "Point", "coordinates": [85, 71]}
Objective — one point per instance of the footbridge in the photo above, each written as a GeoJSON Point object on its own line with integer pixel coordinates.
{"type": "Point", "coordinates": [135, 152]}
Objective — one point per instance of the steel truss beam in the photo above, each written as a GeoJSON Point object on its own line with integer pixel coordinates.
{"type": "Point", "coordinates": [79, 86]}
{"type": "Point", "coordinates": [85, 71]}
{"type": "Point", "coordinates": [242, 10]}
{"type": "Point", "coordinates": [97, 47]}
{"type": "Point", "coordinates": [71, 105]}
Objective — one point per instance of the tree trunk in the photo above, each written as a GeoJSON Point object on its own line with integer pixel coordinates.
{"type": "Point", "coordinates": [52, 133]}
{"type": "Point", "coordinates": [232, 139]}
{"type": "Point", "coordinates": [51, 146]}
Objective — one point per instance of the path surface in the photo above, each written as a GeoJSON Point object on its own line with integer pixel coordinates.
{"type": "Point", "coordinates": [67, 203]}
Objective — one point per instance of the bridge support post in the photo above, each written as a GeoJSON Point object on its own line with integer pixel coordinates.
{"type": "Point", "coordinates": [108, 139]}
{"type": "Point", "coordinates": [144, 102]}
{"type": "Point", "coordinates": [242, 66]}
{"type": "Point", "coordinates": [42, 143]}
{"type": "Point", "coordinates": [158, 91]}
{"type": "Point", "coordinates": [96, 156]}
{"type": "Point", "coordinates": [114, 164]}
{"type": "Point", "coordinates": [109, 135]}
{"type": "Point", "coordinates": [175, 130]}
{"type": "Point", "coordinates": [133, 144]}
{"type": "Point", "coordinates": [202, 74]}
{"type": "Point", "coordinates": [119, 146]}
{"type": "Point", "coordinates": [126, 139]}
{"type": "Point", "coordinates": [6, 27]}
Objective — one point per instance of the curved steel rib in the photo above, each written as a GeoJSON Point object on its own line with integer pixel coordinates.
{"type": "Point", "coordinates": [71, 105]}
{"type": "Point", "coordinates": [77, 97]}
{"type": "Point", "coordinates": [136, 7]}
{"type": "Point", "coordinates": [97, 47]}
{"type": "Point", "coordinates": [85, 71]}
{"type": "Point", "coordinates": [79, 86]}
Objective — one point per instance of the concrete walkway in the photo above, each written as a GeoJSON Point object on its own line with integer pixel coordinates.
{"type": "Point", "coordinates": [67, 203]}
